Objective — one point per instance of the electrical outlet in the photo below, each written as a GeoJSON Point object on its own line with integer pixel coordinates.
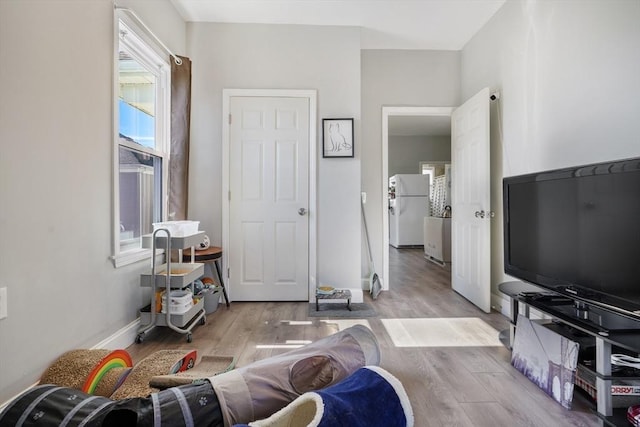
{"type": "Point", "coordinates": [3, 303]}
{"type": "Point", "coordinates": [364, 197]}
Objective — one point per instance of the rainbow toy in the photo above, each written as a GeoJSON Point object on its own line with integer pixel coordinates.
{"type": "Point", "coordinates": [115, 359]}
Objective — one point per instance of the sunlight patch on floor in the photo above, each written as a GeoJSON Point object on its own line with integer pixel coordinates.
{"type": "Point", "coordinates": [342, 324]}
{"type": "Point", "coordinates": [347, 323]}
{"type": "Point", "coordinates": [441, 332]}
{"type": "Point", "coordinates": [297, 322]}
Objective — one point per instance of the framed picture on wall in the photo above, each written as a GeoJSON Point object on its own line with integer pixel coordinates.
{"type": "Point", "coordinates": [337, 138]}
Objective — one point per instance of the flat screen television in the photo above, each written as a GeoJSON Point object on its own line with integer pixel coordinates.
{"type": "Point", "coordinates": [576, 232]}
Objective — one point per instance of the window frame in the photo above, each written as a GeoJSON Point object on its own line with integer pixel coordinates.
{"type": "Point", "coordinates": [145, 51]}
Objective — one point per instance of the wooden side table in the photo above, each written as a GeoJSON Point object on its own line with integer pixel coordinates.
{"type": "Point", "coordinates": [211, 255]}
{"type": "Point", "coordinates": [338, 294]}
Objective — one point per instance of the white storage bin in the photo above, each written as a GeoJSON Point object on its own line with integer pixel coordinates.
{"type": "Point", "coordinates": [177, 308]}
{"type": "Point", "coordinates": [178, 228]}
{"type": "Point", "coordinates": [179, 302]}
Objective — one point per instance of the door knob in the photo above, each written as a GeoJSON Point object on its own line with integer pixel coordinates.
{"type": "Point", "coordinates": [479, 214]}
{"type": "Point", "coordinates": [302, 211]}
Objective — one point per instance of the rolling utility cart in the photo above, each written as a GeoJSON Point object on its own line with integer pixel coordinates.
{"type": "Point", "coordinates": [171, 276]}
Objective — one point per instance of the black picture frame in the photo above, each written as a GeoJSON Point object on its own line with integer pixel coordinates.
{"type": "Point", "coordinates": [337, 138]}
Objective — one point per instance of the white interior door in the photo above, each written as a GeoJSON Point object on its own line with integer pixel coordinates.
{"type": "Point", "coordinates": [470, 223]}
{"type": "Point", "coordinates": [269, 199]}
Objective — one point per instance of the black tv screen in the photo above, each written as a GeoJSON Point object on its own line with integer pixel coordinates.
{"type": "Point", "coordinates": [576, 231]}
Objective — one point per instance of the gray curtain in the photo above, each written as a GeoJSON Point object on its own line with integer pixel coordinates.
{"type": "Point", "coordinates": [180, 127]}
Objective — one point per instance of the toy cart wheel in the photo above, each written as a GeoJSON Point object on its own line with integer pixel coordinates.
{"type": "Point", "coordinates": [139, 339]}
{"type": "Point", "coordinates": [203, 320]}
{"type": "Point", "coordinates": [189, 338]}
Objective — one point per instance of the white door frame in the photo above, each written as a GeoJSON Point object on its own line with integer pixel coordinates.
{"type": "Point", "coordinates": [312, 96]}
{"type": "Point", "coordinates": [386, 113]}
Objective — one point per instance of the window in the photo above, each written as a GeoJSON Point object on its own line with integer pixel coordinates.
{"type": "Point", "coordinates": [433, 169]}
{"type": "Point", "coordinates": [427, 169]}
{"type": "Point", "coordinates": [141, 143]}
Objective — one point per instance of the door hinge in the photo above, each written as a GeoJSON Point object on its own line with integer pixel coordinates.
{"type": "Point", "coordinates": [229, 195]}
{"type": "Point", "coordinates": [228, 273]}
{"type": "Point", "coordinates": [230, 119]}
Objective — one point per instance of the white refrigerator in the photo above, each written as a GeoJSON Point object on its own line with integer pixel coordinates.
{"type": "Point", "coordinates": [408, 205]}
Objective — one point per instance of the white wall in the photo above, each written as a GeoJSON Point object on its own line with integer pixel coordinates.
{"type": "Point", "coordinates": [569, 76]}
{"type": "Point", "coordinates": [243, 56]}
{"type": "Point", "coordinates": [397, 78]}
{"type": "Point", "coordinates": [56, 180]}
{"type": "Point", "coordinates": [406, 152]}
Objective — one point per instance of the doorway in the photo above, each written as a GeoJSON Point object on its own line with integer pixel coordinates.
{"type": "Point", "coordinates": [413, 119]}
{"type": "Point", "coordinates": [263, 130]}
{"type": "Point", "coordinates": [471, 208]}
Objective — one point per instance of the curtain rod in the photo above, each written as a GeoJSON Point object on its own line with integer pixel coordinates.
{"type": "Point", "coordinates": [177, 60]}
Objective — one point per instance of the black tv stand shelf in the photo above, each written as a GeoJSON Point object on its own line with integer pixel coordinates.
{"type": "Point", "coordinates": [582, 323]}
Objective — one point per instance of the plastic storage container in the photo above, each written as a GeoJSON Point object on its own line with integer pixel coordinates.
{"type": "Point", "coordinates": [179, 302]}
{"type": "Point", "coordinates": [211, 295]}
{"type": "Point", "coordinates": [178, 228]}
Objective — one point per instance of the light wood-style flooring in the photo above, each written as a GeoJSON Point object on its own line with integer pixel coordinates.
{"type": "Point", "coordinates": [447, 386]}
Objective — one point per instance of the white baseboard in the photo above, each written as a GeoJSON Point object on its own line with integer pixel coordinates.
{"type": "Point", "coordinates": [122, 338]}
{"type": "Point", "coordinates": [357, 296]}
{"type": "Point", "coordinates": [501, 303]}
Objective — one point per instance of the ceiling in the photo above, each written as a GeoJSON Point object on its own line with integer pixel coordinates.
{"type": "Point", "coordinates": [386, 24]}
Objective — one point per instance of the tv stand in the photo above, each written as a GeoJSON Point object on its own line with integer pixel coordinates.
{"type": "Point", "coordinates": [607, 329]}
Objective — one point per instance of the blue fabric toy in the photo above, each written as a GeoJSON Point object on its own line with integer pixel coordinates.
{"type": "Point", "coordinates": [370, 397]}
